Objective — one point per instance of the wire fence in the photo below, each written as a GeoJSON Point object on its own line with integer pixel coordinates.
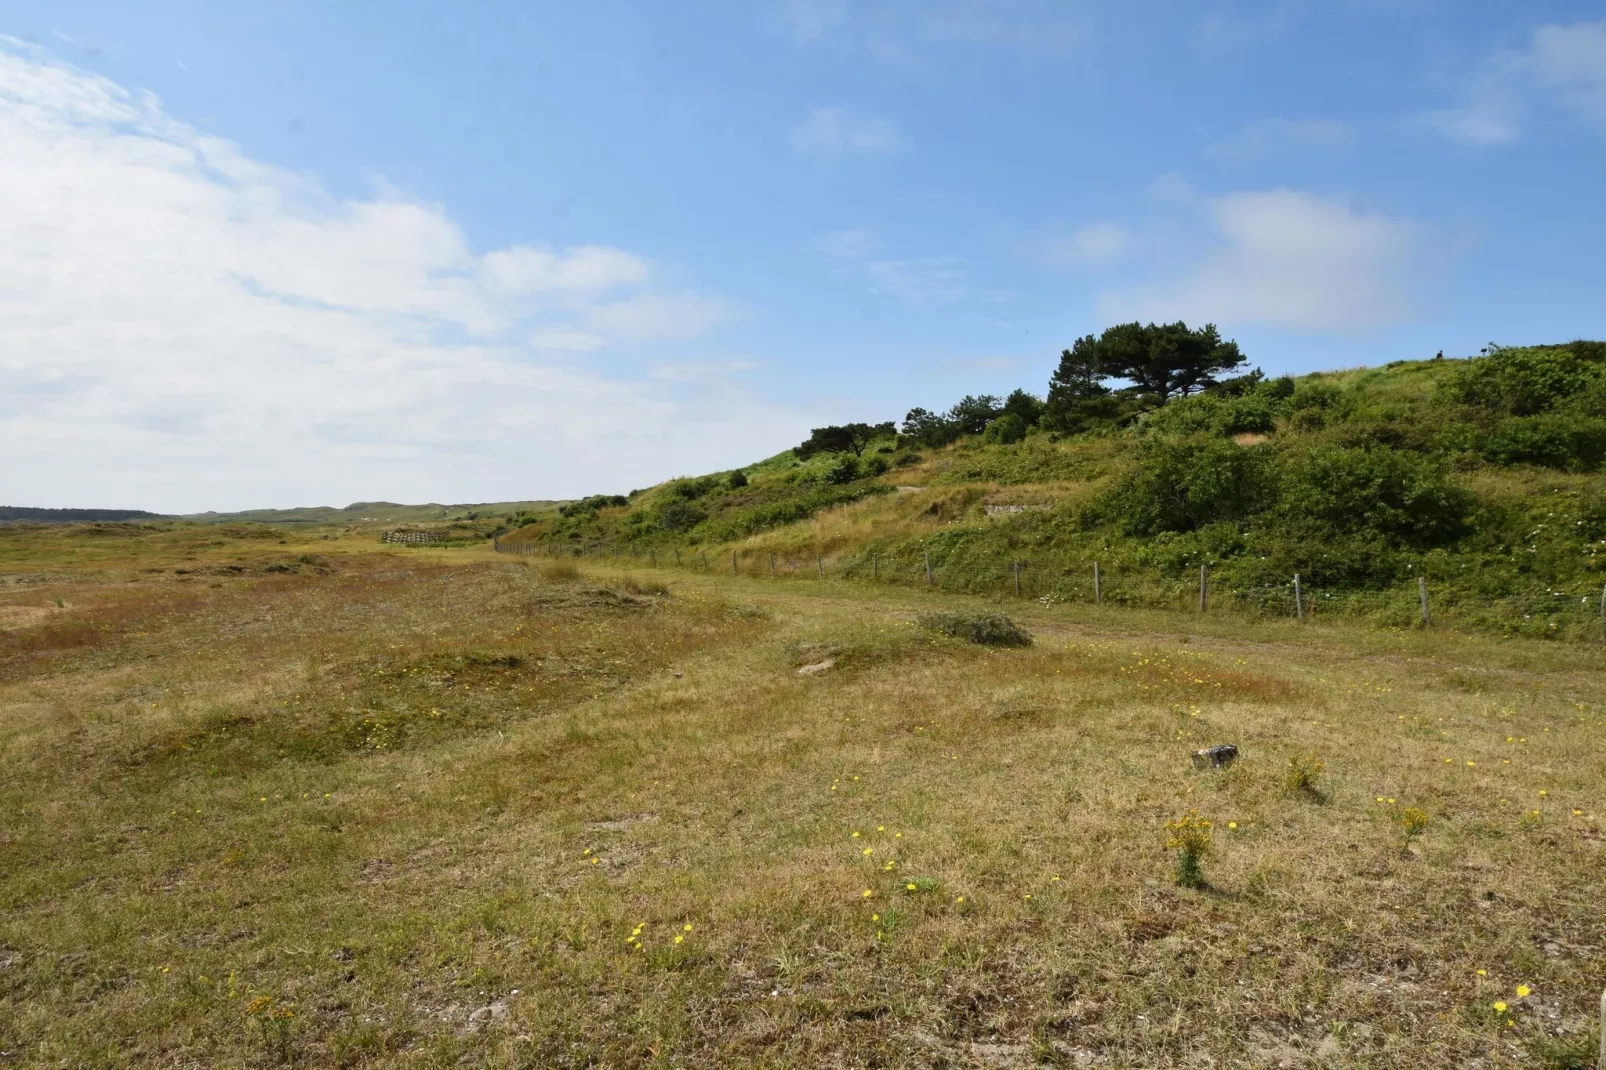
{"type": "Point", "coordinates": [1553, 612]}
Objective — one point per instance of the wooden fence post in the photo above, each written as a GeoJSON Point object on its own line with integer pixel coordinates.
{"type": "Point", "coordinates": [1299, 602]}
{"type": "Point", "coordinates": [1422, 590]}
{"type": "Point", "coordinates": [677, 558]}
{"type": "Point", "coordinates": [1603, 639]}
{"type": "Point", "coordinates": [928, 568]}
{"type": "Point", "coordinates": [1098, 585]}
{"type": "Point", "coordinates": [875, 574]}
{"type": "Point", "coordinates": [1601, 1064]}
{"type": "Point", "coordinates": [1204, 588]}
{"type": "Point", "coordinates": [772, 564]}
{"type": "Point", "coordinates": [819, 560]}
{"type": "Point", "coordinates": [1017, 579]}
{"type": "Point", "coordinates": [733, 564]}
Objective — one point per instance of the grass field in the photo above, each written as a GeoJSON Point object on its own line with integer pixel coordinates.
{"type": "Point", "coordinates": [309, 803]}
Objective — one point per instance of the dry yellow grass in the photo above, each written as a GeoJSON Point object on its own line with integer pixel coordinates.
{"type": "Point", "coordinates": [432, 808]}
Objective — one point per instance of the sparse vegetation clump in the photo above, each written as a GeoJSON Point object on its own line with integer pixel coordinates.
{"type": "Point", "coordinates": [1190, 837]}
{"type": "Point", "coordinates": [1304, 775]}
{"type": "Point", "coordinates": [985, 629]}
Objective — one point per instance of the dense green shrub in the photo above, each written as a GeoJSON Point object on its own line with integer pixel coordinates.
{"type": "Point", "coordinates": [679, 514]}
{"type": "Point", "coordinates": [1523, 381]}
{"type": "Point", "coordinates": [1183, 484]}
{"type": "Point", "coordinates": [1380, 493]}
{"type": "Point", "coordinates": [988, 629]}
{"type": "Point", "coordinates": [1209, 414]}
{"type": "Point", "coordinates": [1008, 428]}
{"type": "Point", "coordinates": [1554, 440]}
{"type": "Point", "coordinates": [845, 469]}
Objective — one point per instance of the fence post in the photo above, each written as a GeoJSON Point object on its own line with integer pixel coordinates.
{"type": "Point", "coordinates": [1017, 579]}
{"type": "Point", "coordinates": [652, 558]}
{"type": "Point", "coordinates": [875, 574]}
{"type": "Point", "coordinates": [677, 558]}
{"type": "Point", "coordinates": [733, 563]}
{"type": "Point", "coordinates": [819, 562]}
{"type": "Point", "coordinates": [1204, 588]}
{"type": "Point", "coordinates": [772, 564]}
{"type": "Point", "coordinates": [928, 568]}
{"type": "Point", "coordinates": [1422, 590]}
{"type": "Point", "coordinates": [1299, 602]}
{"type": "Point", "coordinates": [1603, 639]}
{"type": "Point", "coordinates": [1601, 1065]}
{"type": "Point", "coordinates": [1098, 585]}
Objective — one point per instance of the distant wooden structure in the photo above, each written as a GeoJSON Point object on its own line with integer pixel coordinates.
{"type": "Point", "coordinates": [413, 538]}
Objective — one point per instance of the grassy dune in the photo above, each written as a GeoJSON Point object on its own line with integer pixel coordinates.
{"type": "Point", "coordinates": [306, 803]}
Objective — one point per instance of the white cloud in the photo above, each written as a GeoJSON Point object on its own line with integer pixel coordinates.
{"type": "Point", "coordinates": [1290, 259]}
{"type": "Point", "coordinates": [523, 270]}
{"type": "Point", "coordinates": [651, 317]}
{"type": "Point", "coordinates": [1096, 243]}
{"type": "Point", "coordinates": [704, 371]}
{"type": "Point", "coordinates": [834, 132]}
{"type": "Point", "coordinates": [183, 327]}
{"type": "Point", "coordinates": [567, 339]}
{"type": "Point", "coordinates": [926, 281]}
{"type": "Point", "coordinates": [1274, 136]}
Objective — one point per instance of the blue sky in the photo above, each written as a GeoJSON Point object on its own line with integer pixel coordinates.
{"type": "Point", "coordinates": [309, 253]}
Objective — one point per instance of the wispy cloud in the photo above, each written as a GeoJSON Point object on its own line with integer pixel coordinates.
{"type": "Point", "coordinates": [1570, 61]}
{"type": "Point", "coordinates": [901, 32]}
{"type": "Point", "coordinates": [1095, 243]}
{"type": "Point", "coordinates": [927, 281]}
{"type": "Point", "coordinates": [1291, 259]}
{"type": "Point", "coordinates": [811, 20]}
{"type": "Point", "coordinates": [186, 327]}
{"type": "Point", "coordinates": [847, 246]}
{"type": "Point", "coordinates": [835, 132]}
{"type": "Point", "coordinates": [1561, 67]}
{"type": "Point", "coordinates": [923, 281]}
{"type": "Point", "coordinates": [1276, 137]}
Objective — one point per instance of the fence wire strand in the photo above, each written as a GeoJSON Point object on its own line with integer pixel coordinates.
{"type": "Point", "coordinates": [1575, 614]}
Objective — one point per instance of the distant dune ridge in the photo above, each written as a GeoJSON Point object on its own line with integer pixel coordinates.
{"type": "Point", "coordinates": [63, 516]}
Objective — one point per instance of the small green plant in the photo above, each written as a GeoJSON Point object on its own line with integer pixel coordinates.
{"type": "Point", "coordinates": [988, 629]}
{"type": "Point", "coordinates": [1576, 1052]}
{"type": "Point", "coordinates": [276, 1020]}
{"type": "Point", "coordinates": [1413, 821]}
{"type": "Point", "coordinates": [1304, 776]}
{"type": "Point", "coordinates": [1189, 836]}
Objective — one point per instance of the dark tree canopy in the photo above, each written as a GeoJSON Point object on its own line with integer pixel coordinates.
{"type": "Point", "coordinates": [1029, 407]}
{"type": "Point", "coordinates": [846, 438]}
{"type": "Point", "coordinates": [1077, 395]}
{"type": "Point", "coordinates": [927, 428]}
{"type": "Point", "coordinates": [1165, 360]}
{"type": "Point", "coordinates": [972, 414]}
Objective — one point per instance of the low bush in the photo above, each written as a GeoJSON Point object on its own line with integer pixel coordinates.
{"type": "Point", "coordinates": [988, 629]}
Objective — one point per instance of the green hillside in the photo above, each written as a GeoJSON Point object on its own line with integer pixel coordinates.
{"type": "Point", "coordinates": [1484, 475]}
